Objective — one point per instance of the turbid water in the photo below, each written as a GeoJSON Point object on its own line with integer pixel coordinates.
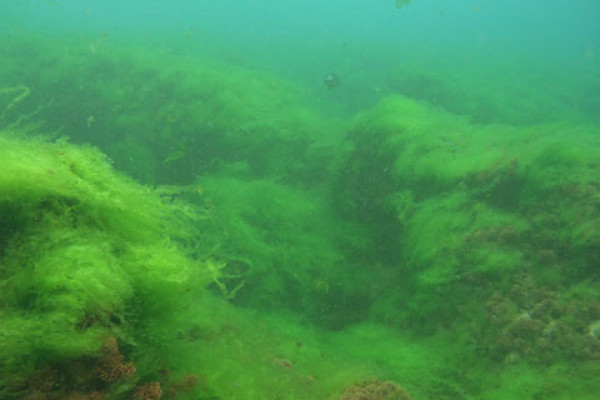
{"type": "Point", "coordinates": [341, 200]}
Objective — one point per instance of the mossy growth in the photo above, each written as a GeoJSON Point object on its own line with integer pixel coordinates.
{"type": "Point", "coordinates": [165, 118]}
{"type": "Point", "coordinates": [465, 267]}
{"type": "Point", "coordinates": [87, 257]}
{"type": "Point", "coordinates": [512, 97]}
{"type": "Point", "coordinates": [472, 206]}
{"type": "Point", "coordinates": [284, 249]}
{"type": "Point", "coordinates": [101, 299]}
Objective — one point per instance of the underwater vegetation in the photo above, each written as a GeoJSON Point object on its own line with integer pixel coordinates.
{"type": "Point", "coordinates": [283, 248]}
{"type": "Point", "coordinates": [505, 95]}
{"type": "Point", "coordinates": [503, 215]}
{"type": "Point", "coordinates": [166, 123]}
{"type": "Point", "coordinates": [376, 390]}
{"type": "Point", "coordinates": [105, 300]}
{"type": "Point", "coordinates": [84, 273]}
{"type": "Point", "coordinates": [425, 248]}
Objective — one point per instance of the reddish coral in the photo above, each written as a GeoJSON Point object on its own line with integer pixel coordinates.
{"type": "Point", "coordinates": [112, 366]}
{"type": "Point", "coordinates": [497, 308]}
{"type": "Point", "coordinates": [45, 380]}
{"type": "Point", "coordinates": [148, 391]}
{"type": "Point", "coordinates": [535, 322]}
{"type": "Point", "coordinates": [376, 390]}
{"type": "Point", "coordinates": [189, 383]}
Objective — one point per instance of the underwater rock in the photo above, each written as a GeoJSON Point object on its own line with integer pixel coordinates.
{"type": "Point", "coordinates": [84, 255]}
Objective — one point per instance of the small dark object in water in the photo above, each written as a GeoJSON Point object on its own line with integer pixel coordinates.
{"type": "Point", "coordinates": [331, 80]}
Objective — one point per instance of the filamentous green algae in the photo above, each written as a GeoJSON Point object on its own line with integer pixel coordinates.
{"type": "Point", "coordinates": [281, 252]}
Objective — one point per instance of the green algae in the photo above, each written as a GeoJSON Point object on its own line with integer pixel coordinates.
{"type": "Point", "coordinates": [80, 263]}
{"type": "Point", "coordinates": [453, 254]}
{"type": "Point", "coordinates": [281, 244]}
{"type": "Point", "coordinates": [473, 207]}
{"type": "Point", "coordinates": [142, 111]}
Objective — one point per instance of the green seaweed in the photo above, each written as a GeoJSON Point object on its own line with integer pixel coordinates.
{"type": "Point", "coordinates": [453, 254]}
{"type": "Point", "coordinates": [80, 264]}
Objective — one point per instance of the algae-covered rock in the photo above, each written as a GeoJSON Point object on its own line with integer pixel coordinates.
{"type": "Point", "coordinates": [165, 119]}
{"type": "Point", "coordinates": [87, 256]}
{"type": "Point", "coordinates": [460, 209]}
{"type": "Point", "coordinates": [285, 249]}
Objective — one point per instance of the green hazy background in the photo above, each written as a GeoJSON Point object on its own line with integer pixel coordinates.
{"type": "Point", "coordinates": [188, 212]}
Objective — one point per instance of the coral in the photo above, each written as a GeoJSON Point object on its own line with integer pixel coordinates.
{"type": "Point", "coordinates": [112, 367]}
{"type": "Point", "coordinates": [376, 390]}
{"type": "Point", "coordinates": [55, 381]}
{"type": "Point", "coordinates": [45, 380]}
{"type": "Point", "coordinates": [189, 384]}
{"type": "Point", "coordinates": [537, 323]}
{"type": "Point", "coordinates": [148, 391]}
